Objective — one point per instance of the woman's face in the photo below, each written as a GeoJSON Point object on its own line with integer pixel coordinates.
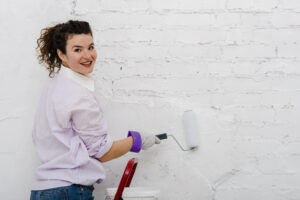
{"type": "Point", "coordinates": [80, 54]}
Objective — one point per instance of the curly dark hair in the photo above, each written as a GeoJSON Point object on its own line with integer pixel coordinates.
{"type": "Point", "coordinates": [55, 37]}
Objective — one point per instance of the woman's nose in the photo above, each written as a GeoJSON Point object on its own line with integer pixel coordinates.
{"type": "Point", "coordinates": [87, 54]}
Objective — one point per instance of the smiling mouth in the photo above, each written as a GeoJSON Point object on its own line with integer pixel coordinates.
{"type": "Point", "coordinates": [87, 64]}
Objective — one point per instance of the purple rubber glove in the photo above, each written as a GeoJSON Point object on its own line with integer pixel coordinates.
{"type": "Point", "coordinates": [142, 141]}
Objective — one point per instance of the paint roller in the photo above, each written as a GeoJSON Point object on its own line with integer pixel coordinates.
{"type": "Point", "coordinates": [190, 131]}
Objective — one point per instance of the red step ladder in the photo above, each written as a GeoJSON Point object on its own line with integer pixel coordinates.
{"type": "Point", "coordinates": [126, 178]}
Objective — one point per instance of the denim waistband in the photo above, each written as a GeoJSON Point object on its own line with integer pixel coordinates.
{"type": "Point", "coordinates": [83, 187]}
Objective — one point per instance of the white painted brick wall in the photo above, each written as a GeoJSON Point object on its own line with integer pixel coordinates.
{"type": "Point", "coordinates": [234, 62]}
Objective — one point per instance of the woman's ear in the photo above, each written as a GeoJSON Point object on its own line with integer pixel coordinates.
{"type": "Point", "coordinates": [61, 55]}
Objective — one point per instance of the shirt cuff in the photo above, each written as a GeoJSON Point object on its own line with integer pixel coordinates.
{"type": "Point", "coordinates": [137, 141]}
{"type": "Point", "coordinates": [104, 147]}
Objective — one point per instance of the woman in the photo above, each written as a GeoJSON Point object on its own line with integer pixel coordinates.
{"type": "Point", "coordinates": [70, 133]}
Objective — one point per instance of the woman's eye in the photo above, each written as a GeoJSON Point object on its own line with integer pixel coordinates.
{"type": "Point", "coordinates": [91, 47]}
{"type": "Point", "coordinates": [77, 50]}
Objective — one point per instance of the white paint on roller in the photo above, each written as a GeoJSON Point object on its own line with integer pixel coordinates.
{"type": "Point", "coordinates": [191, 129]}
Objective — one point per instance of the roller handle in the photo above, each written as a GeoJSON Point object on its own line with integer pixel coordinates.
{"type": "Point", "coordinates": [162, 136]}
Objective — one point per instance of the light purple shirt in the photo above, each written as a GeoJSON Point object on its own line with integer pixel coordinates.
{"type": "Point", "coordinates": [69, 133]}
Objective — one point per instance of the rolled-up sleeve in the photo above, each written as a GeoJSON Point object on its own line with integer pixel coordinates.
{"type": "Point", "coordinates": [88, 122]}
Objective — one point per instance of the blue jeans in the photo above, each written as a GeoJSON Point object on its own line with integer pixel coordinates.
{"type": "Point", "coordinates": [72, 192]}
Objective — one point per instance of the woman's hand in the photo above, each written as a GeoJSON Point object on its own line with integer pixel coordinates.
{"type": "Point", "coordinates": [149, 140]}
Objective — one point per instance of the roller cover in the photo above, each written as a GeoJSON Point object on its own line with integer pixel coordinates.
{"type": "Point", "coordinates": [191, 129]}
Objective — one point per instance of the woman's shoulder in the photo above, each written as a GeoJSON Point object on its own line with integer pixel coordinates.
{"type": "Point", "coordinates": [68, 85]}
{"type": "Point", "coordinates": [63, 89]}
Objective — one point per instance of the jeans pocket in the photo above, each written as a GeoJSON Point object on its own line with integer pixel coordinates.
{"type": "Point", "coordinates": [54, 194]}
{"type": "Point", "coordinates": [90, 196]}
{"type": "Point", "coordinates": [87, 195]}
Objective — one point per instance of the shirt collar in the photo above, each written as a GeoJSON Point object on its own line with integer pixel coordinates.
{"type": "Point", "coordinates": [84, 80]}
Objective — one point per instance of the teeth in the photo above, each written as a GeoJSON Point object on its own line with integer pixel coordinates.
{"type": "Point", "coordinates": [86, 63]}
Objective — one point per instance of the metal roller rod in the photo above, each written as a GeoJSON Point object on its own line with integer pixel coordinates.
{"type": "Point", "coordinates": [179, 143]}
{"type": "Point", "coordinates": [165, 136]}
